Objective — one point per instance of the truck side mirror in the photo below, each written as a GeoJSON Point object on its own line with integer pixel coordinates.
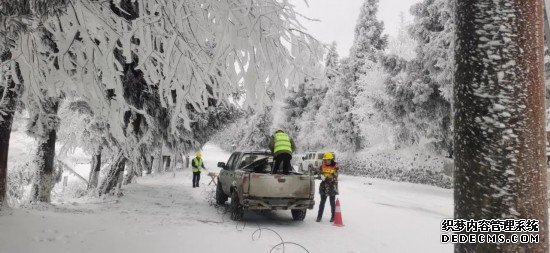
{"type": "Point", "coordinates": [221, 165]}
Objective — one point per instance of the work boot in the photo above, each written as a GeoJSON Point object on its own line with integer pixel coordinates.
{"type": "Point", "coordinates": [318, 219]}
{"type": "Point", "coordinates": [332, 218]}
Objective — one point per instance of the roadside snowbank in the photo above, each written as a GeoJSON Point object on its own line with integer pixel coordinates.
{"type": "Point", "coordinates": [398, 165]}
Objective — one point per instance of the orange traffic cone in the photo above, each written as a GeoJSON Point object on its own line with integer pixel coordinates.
{"type": "Point", "coordinates": [338, 215]}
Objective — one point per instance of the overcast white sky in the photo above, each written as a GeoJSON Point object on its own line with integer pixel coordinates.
{"type": "Point", "coordinates": [338, 18]}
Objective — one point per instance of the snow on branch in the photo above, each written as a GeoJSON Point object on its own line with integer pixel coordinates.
{"type": "Point", "coordinates": [188, 51]}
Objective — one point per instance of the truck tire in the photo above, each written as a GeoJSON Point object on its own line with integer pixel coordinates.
{"type": "Point", "coordinates": [298, 214]}
{"type": "Point", "coordinates": [221, 197]}
{"type": "Point", "coordinates": [236, 208]}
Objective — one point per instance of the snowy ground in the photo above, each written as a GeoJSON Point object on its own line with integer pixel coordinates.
{"type": "Point", "coordinates": [163, 213]}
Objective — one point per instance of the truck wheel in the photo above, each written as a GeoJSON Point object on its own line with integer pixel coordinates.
{"type": "Point", "coordinates": [298, 214]}
{"type": "Point", "coordinates": [221, 197]}
{"type": "Point", "coordinates": [236, 208]}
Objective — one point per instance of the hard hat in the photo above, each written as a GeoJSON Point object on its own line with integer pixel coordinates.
{"type": "Point", "coordinates": [328, 156]}
{"type": "Point", "coordinates": [198, 154]}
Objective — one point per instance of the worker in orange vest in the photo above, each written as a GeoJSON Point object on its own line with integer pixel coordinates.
{"type": "Point", "coordinates": [329, 184]}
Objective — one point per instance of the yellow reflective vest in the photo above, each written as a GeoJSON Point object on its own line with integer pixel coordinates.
{"type": "Point", "coordinates": [282, 143]}
{"type": "Point", "coordinates": [198, 163]}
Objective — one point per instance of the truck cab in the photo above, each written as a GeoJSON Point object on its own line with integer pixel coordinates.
{"type": "Point", "coordinates": [246, 178]}
{"type": "Point", "coordinates": [311, 161]}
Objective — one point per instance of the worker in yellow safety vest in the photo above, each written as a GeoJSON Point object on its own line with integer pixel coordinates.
{"type": "Point", "coordinates": [282, 147]}
{"type": "Point", "coordinates": [329, 184]}
{"type": "Point", "coordinates": [197, 165]}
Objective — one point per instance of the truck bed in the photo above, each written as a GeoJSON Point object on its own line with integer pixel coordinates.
{"type": "Point", "coordinates": [279, 186]}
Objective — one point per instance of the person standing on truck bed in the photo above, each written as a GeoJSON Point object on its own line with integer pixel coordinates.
{"type": "Point", "coordinates": [329, 184]}
{"type": "Point", "coordinates": [282, 147]}
{"type": "Point", "coordinates": [197, 164]}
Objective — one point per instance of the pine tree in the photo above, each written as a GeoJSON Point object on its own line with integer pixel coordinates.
{"type": "Point", "coordinates": [369, 39]}
{"type": "Point", "coordinates": [420, 89]}
{"type": "Point", "coordinates": [335, 114]}
{"type": "Point", "coordinates": [368, 45]}
{"type": "Point", "coordinates": [313, 134]}
{"type": "Point", "coordinates": [294, 107]}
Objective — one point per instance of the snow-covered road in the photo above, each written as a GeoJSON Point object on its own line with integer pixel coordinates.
{"type": "Point", "coordinates": [165, 214]}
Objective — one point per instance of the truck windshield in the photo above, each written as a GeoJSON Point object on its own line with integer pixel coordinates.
{"type": "Point", "coordinates": [248, 159]}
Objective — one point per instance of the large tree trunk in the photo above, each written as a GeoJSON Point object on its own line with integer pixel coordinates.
{"type": "Point", "coordinates": [46, 178]}
{"type": "Point", "coordinates": [95, 169]}
{"type": "Point", "coordinates": [131, 172]}
{"type": "Point", "coordinates": [150, 166]}
{"type": "Point", "coordinates": [500, 117]}
{"type": "Point", "coordinates": [7, 107]}
{"type": "Point", "coordinates": [115, 170]}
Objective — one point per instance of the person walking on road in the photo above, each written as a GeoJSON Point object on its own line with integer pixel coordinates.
{"type": "Point", "coordinates": [282, 147]}
{"type": "Point", "coordinates": [329, 184]}
{"type": "Point", "coordinates": [197, 165]}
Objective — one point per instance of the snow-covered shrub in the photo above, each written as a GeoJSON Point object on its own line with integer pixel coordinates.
{"type": "Point", "coordinates": [20, 179]}
{"type": "Point", "coordinates": [252, 132]}
{"type": "Point", "coordinates": [21, 166]}
{"type": "Point", "coordinates": [420, 89]}
{"type": "Point", "coordinates": [74, 189]}
{"type": "Point", "coordinates": [397, 165]}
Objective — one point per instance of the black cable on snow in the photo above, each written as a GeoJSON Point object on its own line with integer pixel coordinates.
{"type": "Point", "coordinates": [209, 196]}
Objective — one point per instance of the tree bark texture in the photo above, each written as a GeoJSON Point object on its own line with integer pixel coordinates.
{"type": "Point", "coordinates": [499, 138]}
{"type": "Point", "coordinates": [115, 171]}
{"type": "Point", "coordinates": [94, 170]}
{"type": "Point", "coordinates": [131, 172]}
{"type": "Point", "coordinates": [7, 106]}
{"type": "Point", "coordinates": [150, 166]}
{"type": "Point", "coordinates": [46, 177]}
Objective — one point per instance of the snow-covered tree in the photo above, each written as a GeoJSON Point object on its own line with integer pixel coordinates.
{"type": "Point", "coordinates": [371, 102]}
{"type": "Point", "coordinates": [258, 131]}
{"type": "Point", "coordinates": [10, 90]}
{"type": "Point", "coordinates": [369, 40]}
{"type": "Point", "coordinates": [217, 46]}
{"type": "Point", "coordinates": [295, 106]}
{"type": "Point", "coordinates": [313, 133]}
{"type": "Point", "coordinates": [368, 45]}
{"type": "Point", "coordinates": [499, 103]}
{"type": "Point", "coordinates": [79, 128]}
{"type": "Point", "coordinates": [336, 112]}
{"type": "Point", "coordinates": [16, 17]}
{"type": "Point", "coordinates": [420, 89]}
{"type": "Point", "coordinates": [402, 44]}
{"type": "Point", "coordinates": [368, 110]}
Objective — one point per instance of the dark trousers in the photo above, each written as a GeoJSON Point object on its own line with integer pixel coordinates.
{"type": "Point", "coordinates": [196, 178]}
{"type": "Point", "coordinates": [322, 205]}
{"type": "Point", "coordinates": [282, 159]}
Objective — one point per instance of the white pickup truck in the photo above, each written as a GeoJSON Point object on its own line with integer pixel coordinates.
{"type": "Point", "coordinates": [312, 161]}
{"type": "Point", "coordinates": [246, 178]}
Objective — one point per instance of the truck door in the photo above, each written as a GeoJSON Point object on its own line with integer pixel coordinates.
{"type": "Point", "coordinates": [229, 173]}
